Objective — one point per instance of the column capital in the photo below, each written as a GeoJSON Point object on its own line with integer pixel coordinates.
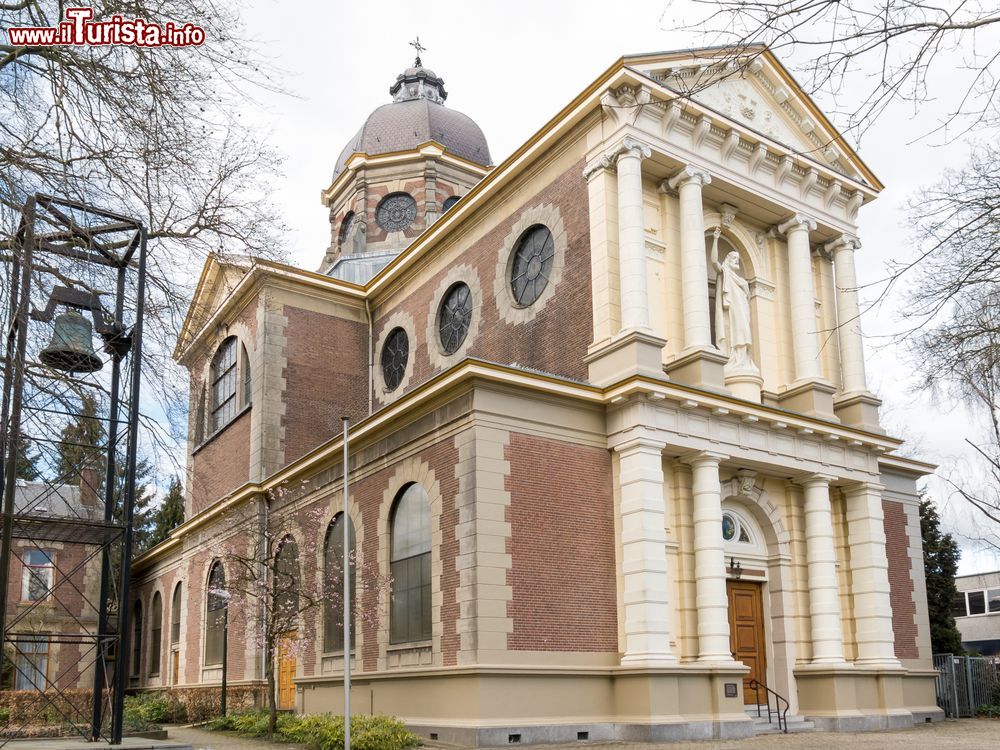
{"type": "Point", "coordinates": [689, 174]}
{"type": "Point", "coordinates": [796, 221]}
{"type": "Point", "coordinates": [700, 458]}
{"type": "Point", "coordinates": [843, 242]}
{"type": "Point", "coordinates": [628, 146]}
{"type": "Point", "coordinates": [814, 480]}
{"type": "Point", "coordinates": [640, 443]}
{"type": "Point", "coordinates": [862, 488]}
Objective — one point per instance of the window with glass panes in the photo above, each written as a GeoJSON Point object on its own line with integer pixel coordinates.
{"type": "Point", "coordinates": [980, 602]}
{"type": "Point", "coordinates": [36, 582]}
{"type": "Point", "coordinates": [175, 616]}
{"type": "Point", "coordinates": [215, 622]}
{"type": "Point", "coordinates": [333, 565]}
{"type": "Point", "coordinates": [223, 386]}
{"type": "Point", "coordinates": [410, 567]}
{"type": "Point", "coordinates": [155, 633]}
{"type": "Point", "coordinates": [32, 663]}
{"type": "Point", "coordinates": [136, 639]}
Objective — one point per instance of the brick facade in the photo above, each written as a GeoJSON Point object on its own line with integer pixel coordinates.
{"type": "Point", "coordinates": [900, 580]}
{"type": "Point", "coordinates": [561, 546]}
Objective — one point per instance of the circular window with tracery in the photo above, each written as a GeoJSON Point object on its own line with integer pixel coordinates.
{"type": "Point", "coordinates": [531, 264]}
{"type": "Point", "coordinates": [395, 355]}
{"type": "Point", "coordinates": [455, 317]}
{"type": "Point", "coordinates": [396, 212]}
{"type": "Point", "coordinates": [733, 529]}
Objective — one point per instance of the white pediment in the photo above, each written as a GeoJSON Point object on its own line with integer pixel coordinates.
{"type": "Point", "coordinates": [759, 96]}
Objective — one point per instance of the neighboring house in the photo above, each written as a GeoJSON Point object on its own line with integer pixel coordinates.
{"type": "Point", "coordinates": [53, 586]}
{"type": "Point", "coordinates": [977, 612]}
{"type": "Point", "coordinates": [611, 431]}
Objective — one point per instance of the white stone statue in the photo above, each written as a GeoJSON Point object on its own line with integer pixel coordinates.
{"type": "Point", "coordinates": [733, 332]}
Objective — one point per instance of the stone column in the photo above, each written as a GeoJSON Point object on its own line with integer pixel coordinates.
{"type": "Point", "coordinates": [821, 557]}
{"type": "Point", "coordinates": [632, 236]}
{"type": "Point", "coordinates": [709, 559]}
{"type": "Point", "coordinates": [870, 575]}
{"type": "Point", "coordinates": [852, 353]}
{"type": "Point", "coordinates": [644, 557]}
{"type": "Point", "coordinates": [694, 264]}
{"type": "Point", "coordinates": [803, 297]}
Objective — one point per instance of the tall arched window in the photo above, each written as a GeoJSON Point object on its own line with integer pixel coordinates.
{"type": "Point", "coordinates": [333, 568]}
{"type": "Point", "coordinates": [136, 639]}
{"type": "Point", "coordinates": [215, 620]}
{"type": "Point", "coordinates": [175, 616]}
{"type": "Point", "coordinates": [286, 585]}
{"type": "Point", "coordinates": [410, 566]}
{"type": "Point", "coordinates": [229, 383]}
{"type": "Point", "coordinates": [155, 633]}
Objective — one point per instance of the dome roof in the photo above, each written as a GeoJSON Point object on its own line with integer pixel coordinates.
{"type": "Point", "coordinates": [416, 115]}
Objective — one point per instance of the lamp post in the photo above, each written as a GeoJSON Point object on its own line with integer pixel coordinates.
{"type": "Point", "coordinates": [347, 603]}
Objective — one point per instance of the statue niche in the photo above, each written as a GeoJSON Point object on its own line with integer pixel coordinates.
{"type": "Point", "coordinates": [733, 329]}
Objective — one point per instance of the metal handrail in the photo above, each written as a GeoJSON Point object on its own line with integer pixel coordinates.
{"type": "Point", "coordinates": [781, 715]}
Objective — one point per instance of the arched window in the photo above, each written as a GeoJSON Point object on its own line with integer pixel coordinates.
{"type": "Point", "coordinates": [410, 566]}
{"type": "Point", "coordinates": [286, 585]}
{"type": "Point", "coordinates": [155, 633]}
{"type": "Point", "coordinates": [333, 568]}
{"type": "Point", "coordinates": [136, 639]}
{"type": "Point", "coordinates": [227, 374]}
{"type": "Point", "coordinates": [175, 616]}
{"type": "Point", "coordinates": [215, 620]}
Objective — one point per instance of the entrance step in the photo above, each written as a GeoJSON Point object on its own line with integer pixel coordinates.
{"type": "Point", "coordinates": [762, 726]}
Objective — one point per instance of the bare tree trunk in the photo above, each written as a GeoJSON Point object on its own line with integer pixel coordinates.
{"type": "Point", "coordinates": [272, 703]}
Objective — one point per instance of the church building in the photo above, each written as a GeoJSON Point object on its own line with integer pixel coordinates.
{"type": "Point", "coordinates": [611, 434]}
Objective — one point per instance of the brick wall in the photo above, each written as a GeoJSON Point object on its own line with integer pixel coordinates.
{"type": "Point", "coordinates": [562, 547]}
{"type": "Point", "coordinates": [900, 581]}
{"type": "Point", "coordinates": [556, 340]}
{"type": "Point", "coordinates": [222, 464]}
{"type": "Point", "coordinates": [326, 377]}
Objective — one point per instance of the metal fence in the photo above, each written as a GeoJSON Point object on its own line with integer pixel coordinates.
{"type": "Point", "coordinates": [964, 683]}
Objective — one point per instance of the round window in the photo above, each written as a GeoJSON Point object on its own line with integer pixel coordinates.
{"type": "Point", "coordinates": [395, 355]}
{"type": "Point", "coordinates": [455, 317]}
{"type": "Point", "coordinates": [728, 527]}
{"type": "Point", "coordinates": [396, 212]}
{"type": "Point", "coordinates": [531, 265]}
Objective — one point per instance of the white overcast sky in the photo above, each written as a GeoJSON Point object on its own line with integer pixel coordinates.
{"type": "Point", "coordinates": [511, 66]}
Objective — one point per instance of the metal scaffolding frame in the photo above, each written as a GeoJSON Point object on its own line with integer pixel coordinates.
{"type": "Point", "coordinates": [69, 254]}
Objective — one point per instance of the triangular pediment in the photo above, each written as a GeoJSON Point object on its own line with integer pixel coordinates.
{"type": "Point", "coordinates": [754, 90]}
{"type": "Point", "coordinates": [219, 278]}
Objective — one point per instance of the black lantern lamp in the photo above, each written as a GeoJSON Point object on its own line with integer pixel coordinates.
{"type": "Point", "coordinates": [71, 348]}
{"type": "Point", "coordinates": [736, 568]}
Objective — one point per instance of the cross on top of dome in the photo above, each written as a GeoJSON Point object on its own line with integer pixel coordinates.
{"type": "Point", "coordinates": [418, 82]}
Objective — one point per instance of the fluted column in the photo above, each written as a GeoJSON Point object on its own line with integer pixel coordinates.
{"type": "Point", "coordinates": [644, 558]}
{"type": "Point", "coordinates": [852, 353]}
{"type": "Point", "coordinates": [803, 297]}
{"type": "Point", "coordinates": [709, 559]}
{"type": "Point", "coordinates": [870, 575]}
{"type": "Point", "coordinates": [694, 264]}
{"type": "Point", "coordinates": [632, 235]}
{"type": "Point", "coordinates": [821, 558]}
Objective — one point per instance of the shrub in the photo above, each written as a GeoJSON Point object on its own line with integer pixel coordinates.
{"type": "Point", "coordinates": [155, 708]}
{"type": "Point", "coordinates": [989, 712]}
{"type": "Point", "coordinates": [324, 731]}
{"type": "Point", "coordinates": [4, 715]}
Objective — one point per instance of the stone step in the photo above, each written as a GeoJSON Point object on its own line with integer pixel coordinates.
{"type": "Point", "coordinates": [762, 726]}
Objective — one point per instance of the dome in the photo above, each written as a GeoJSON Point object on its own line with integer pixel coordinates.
{"type": "Point", "coordinates": [416, 115]}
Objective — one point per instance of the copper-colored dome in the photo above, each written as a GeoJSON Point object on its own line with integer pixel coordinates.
{"type": "Point", "coordinates": [417, 115]}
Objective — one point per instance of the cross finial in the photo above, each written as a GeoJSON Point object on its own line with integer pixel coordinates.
{"type": "Point", "coordinates": [419, 48]}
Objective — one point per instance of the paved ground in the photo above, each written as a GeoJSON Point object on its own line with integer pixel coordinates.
{"type": "Point", "coordinates": [965, 734]}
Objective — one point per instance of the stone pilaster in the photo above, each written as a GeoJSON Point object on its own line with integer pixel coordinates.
{"type": "Point", "coordinates": [821, 557]}
{"type": "Point", "coordinates": [809, 394]}
{"type": "Point", "coordinates": [709, 559]}
{"type": "Point", "coordinates": [856, 406]}
{"type": "Point", "coordinates": [643, 547]}
{"type": "Point", "coordinates": [870, 575]}
{"type": "Point", "coordinates": [700, 363]}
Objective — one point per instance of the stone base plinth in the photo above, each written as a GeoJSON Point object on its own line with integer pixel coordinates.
{"type": "Point", "coordinates": [859, 410]}
{"type": "Point", "coordinates": [702, 368]}
{"type": "Point", "coordinates": [629, 353]}
{"type": "Point", "coordinates": [812, 397]}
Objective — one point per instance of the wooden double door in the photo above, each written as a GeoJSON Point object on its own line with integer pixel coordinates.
{"type": "Point", "coordinates": [286, 671]}
{"type": "Point", "coordinates": [746, 632]}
